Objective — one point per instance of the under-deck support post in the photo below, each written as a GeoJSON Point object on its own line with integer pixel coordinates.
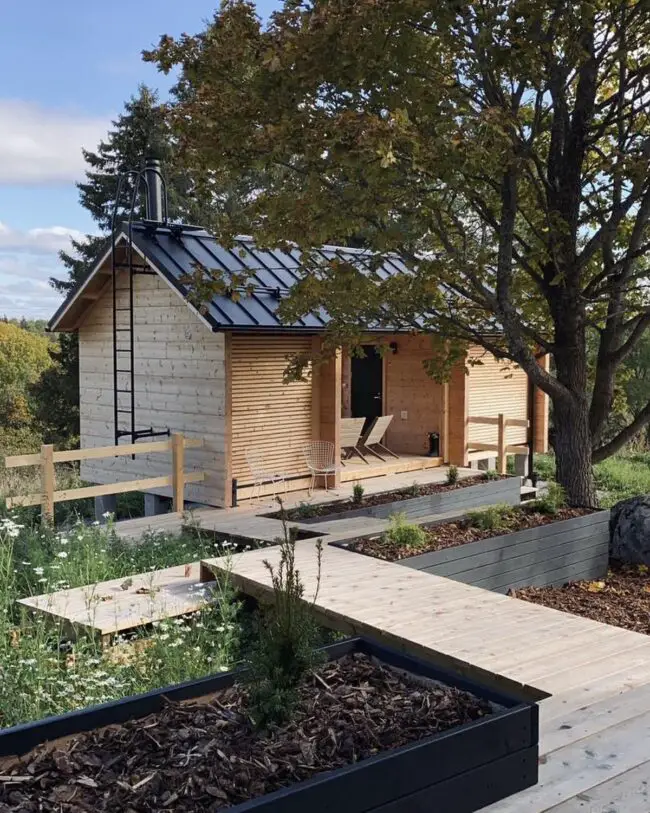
{"type": "Point", "coordinates": [330, 408]}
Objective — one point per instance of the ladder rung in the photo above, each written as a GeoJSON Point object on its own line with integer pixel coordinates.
{"type": "Point", "coordinates": [124, 411]}
{"type": "Point", "coordinates": [123, 330]}
{"type": "Point", "coordinates": [125, 391]}
{"type": "Point", "coordinates": [122, 309]}
{"type": "Point", "coordinates": [122, 371]}
{"type": "Point", "coordinates": [122, 350]}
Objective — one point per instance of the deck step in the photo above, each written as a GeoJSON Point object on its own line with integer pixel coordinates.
{"type": "Point", "coordinates": [528, 493]}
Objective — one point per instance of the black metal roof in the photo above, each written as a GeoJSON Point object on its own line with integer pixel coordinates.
{"type": "Point", "coordinates": [175, 252]}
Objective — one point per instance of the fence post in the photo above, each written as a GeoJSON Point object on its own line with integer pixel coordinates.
{"type": "Point", "coordinates": [178, 465]}
{"type": "Point", "coordinates": [501, 444]}
{"type": "Point", "coordinates": [47, 483]}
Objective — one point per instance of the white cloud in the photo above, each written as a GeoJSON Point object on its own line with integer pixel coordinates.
{"type": "Point", "coordinates": [39, 241]}
{"type": "Point", "coordinates": [27, 261]}
{"type": "Point", "coordinates": [43, 145]}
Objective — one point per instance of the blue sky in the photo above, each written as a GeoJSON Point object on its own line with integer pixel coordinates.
{"type": "Point", "coordinates": [67, 69]}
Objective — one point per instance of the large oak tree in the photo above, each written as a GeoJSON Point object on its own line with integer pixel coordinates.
{"type": "Point", "coordinates": [501, 147]}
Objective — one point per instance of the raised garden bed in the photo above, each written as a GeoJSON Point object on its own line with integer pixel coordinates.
{"type": "Point", "coordinates": [415, 502]}
{"type": "Point", "coordinates": [621, 597]}
{"type": "Point", "coordinates": [376, 730]}
{"type": "Point", "coordinates": [539, 549]}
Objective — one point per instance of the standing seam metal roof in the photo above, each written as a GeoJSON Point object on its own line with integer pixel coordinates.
{"type": "Point", "coordinates": [270, 274]}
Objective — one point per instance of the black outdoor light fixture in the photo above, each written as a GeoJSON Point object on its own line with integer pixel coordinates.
{"type": "Point", "coordinates": [393, 346]}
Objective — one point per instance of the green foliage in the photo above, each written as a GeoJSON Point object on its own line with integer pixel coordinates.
{"type": "Point", "coordinates": [304, 510]}
{"type": "Point", "coordinates": [491, 518]}
{"type": "Point", "coordinates": [491, 474]}
{"type": "Point", "coordinates": [396, 145]}
{"type": "Point", "coordinates": [284, 652]}
{"type": "Point", "coordinates": [403, 533]}
{"type": "Point", "coordinates": [414, 490]}
{"type": "Point", "coordinates": [552, 500]}
{"type": "Point", "coordinates": [545, 466]}
{"type": "Point", "coordinates": [40, 677]}
{"type": "Point", "coordinates": [357, 493]}
{"type": "Point", "coordinates": [24, 357]}
{"type": "Point", "coordinates": [452, 475]}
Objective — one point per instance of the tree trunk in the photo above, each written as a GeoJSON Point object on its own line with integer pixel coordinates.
{"type": "Point", "coordinates": [573, 452]}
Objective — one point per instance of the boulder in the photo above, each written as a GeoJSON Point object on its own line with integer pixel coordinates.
{"type": "Point", "coordinates": [629, 528]}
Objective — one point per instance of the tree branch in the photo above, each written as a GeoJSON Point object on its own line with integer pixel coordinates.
{"type": "Point", "coordinates": [623, 437]}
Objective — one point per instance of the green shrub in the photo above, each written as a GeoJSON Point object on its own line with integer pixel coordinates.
{"type": "Point", "coordinates": [285, 648]}
{"type": "Point", "coordinates": [414, 490]}
{"type": "Point", "coordinates": [545, 466]}
{"type": "Point", "coordinates": [403, 533]}
{"type": "Point", "coordinates": [492, 518]}
{"type": "Point", "coordinates": [305, 510]}
{"type": "Point", "coordinates": [491, 474]}
{"type": "Point", "coordinates": [357, 493]}
{"type": "Point", "coordinates": [452, 475]}
{"type": "Point", "coordinates": [551, 501]}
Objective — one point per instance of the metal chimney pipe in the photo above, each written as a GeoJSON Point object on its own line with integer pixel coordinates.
{"type": "Point", "coordinates": [153, 176]}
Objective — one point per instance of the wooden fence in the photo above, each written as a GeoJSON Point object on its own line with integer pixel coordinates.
{"type": "Point", "coordinates": [177, 443]}
{"type": "Point", "coordinates": [501, 447]}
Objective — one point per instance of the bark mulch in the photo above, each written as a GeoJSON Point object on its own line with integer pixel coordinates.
{"type": "Point", "coordinates": [622, 598]}
{"type": "Point", "coordinates": [409, 493]}
{"type": "Point", "coordinates": [453, 534]}
{"type": "Point", "coordinates": [206, 756]}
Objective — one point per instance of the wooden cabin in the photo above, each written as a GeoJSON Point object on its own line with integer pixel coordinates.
{"type": "Point", "coordinates": [150, 363]}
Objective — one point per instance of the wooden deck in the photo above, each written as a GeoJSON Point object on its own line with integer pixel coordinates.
{"type": "Point", "coordinates": [111, 607]}
{"type": "Point", "coordinates": [355, 469]}
{"type": "Point", "coordinates": [593, 680]}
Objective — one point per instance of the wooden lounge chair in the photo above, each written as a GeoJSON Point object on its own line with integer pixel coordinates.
{"type": "Point", "coordinates": [375, 434]}
{"type": "Point", "coordinates": [351, 434]}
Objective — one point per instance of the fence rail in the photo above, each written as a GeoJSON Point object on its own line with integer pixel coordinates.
{"type": "Point", "coordinates": [47, 457]}
{"type": "Point", "coordinates": [501, 447]}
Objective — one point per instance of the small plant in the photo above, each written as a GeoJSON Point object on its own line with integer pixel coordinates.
{"type": "Point", "coordinates": [403, 533]}
{"type": "Point", "coordinates": [414, 490]}
{"type": "Point", "coordinates": [491, 474]}
{"type": "Point", "coordinates": [492, 518]}
{"type": "Point", "coordinates": [357, 493]}
{"type": "Point", "coordinates": [551, 501]}
{"type": "Point", "coordinates": [287, 636]}
{"type": "Point", "coordinates": [305, 510]}
{"type": "Point", "coordinates": [452, 475]}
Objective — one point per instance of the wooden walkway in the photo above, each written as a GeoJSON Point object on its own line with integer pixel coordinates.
{"type": "Point", "coordinates": [108, 608]}
{"type": "Point", "coordinates": [593, 680]}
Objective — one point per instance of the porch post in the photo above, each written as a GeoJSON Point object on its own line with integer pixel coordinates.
{"type": "Point", "coordinates": [457, 407]}
{"type": "Point", "coordinates": [330, 406]}
{"type": "Point", "coordinates": [540, 425]}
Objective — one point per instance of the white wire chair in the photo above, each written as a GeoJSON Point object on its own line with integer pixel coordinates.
{"type": "Point", "coordinates": [321, 461]}
{"type": "Point", "coordinates": [262, 474]}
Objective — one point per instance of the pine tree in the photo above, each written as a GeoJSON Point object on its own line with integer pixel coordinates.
{"type": "Point", "coordinates": [139, 131]}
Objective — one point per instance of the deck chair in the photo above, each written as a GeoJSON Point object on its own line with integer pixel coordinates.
{"type": "Point", "coordinates": [263, 474]}
{"type": "Point", "coordinates": [374, 435]}
{"type": "Point", "coordinates": [351, 434]}
{"type": "Point", "coordinates": [321, 462]}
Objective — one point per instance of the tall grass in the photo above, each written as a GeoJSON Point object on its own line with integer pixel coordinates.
{"type": "Point", "coordinates": [42, 672]}
{"type": "Point", "coordinates": [617, 478]}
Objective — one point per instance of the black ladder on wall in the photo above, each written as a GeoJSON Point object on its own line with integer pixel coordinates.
{"type": "Point", "coordinates": [123, 274]}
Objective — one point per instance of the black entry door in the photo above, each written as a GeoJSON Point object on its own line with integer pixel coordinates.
{"type": "Point", "coordinates": [367, 385]}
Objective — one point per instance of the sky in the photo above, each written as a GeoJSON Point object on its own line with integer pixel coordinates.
{"type": "Point", "coordinates": [67, 68]}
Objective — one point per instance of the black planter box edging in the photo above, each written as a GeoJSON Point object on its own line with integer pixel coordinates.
{"type": "Point", "coordinates": [463, 769]}
{"type": "Point", "coordinates": [490, 492]}
{"type": "Point", "coordinates": [547, 555]}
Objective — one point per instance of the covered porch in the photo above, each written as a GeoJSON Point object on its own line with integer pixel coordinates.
{"type": "Point", "coordinates": [424, 424]}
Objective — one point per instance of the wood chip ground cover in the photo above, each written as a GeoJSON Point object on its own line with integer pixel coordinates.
{"type": "Point", "coordinates": [206, 756]}
{"type": "Point", "coordinates": [342, 506]}
{"type": "Point", "coordinates": [622, 598]}
{"type": "Point", "coordinates": [453, 534]}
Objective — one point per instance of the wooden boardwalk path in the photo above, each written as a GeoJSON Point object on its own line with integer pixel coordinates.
{"type": "Point", "coordinates": [593, 680]}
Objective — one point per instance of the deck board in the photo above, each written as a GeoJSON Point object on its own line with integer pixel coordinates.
{"type": "Point", "coordinates": [595, 678]}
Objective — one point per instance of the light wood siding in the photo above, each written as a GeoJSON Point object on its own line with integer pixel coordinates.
{"type": "Point", "coordinates": [179, 385]}
{"type": "Point", "coordinates": [408, 388]}
{"type": "Point", "coordinates": [495, 386]}
{"type": "Point", "coordinates": [267, 414]}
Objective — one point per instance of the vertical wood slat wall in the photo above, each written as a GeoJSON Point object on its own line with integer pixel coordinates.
{"type": "Point", "coordinates": [267, 414]}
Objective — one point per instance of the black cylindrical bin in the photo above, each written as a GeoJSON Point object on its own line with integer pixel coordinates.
{"type": "Point", "coordinates": [434, 444]}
